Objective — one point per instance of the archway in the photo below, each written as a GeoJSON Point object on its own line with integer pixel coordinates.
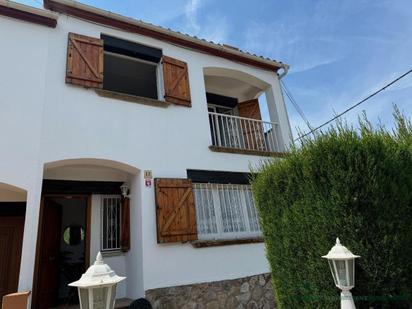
{"type": "Point", "coordinates": [83, 199]}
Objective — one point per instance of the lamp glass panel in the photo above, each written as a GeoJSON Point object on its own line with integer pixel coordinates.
{"type": "Point", "coordinates": [84, 298]}
{"type": "Point", "coordinates": [351, 272]}
{"type": "Point", "coordinates": [100, 297]}
{"type": "Point", "coordinates": [342, 276]}
{"type": "Point", "coordinates": [113, 296]}
{"type": "Point", "coordinates": [332, 269]}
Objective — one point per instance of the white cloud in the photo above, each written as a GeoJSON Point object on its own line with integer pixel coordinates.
{"type": "Point", "coordinates": [210, 27]}
{"type": "Point", "coordinates": [312, 64]}
{"type": "Point", "coordinates": [191, 10]}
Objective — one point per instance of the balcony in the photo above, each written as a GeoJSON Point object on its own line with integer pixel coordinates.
{"type": "Point", "coordinates": [243, 135]}
{"type": "Point", "coordinates": [243, 116]}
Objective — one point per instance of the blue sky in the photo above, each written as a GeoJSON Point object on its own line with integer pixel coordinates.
{"type": "Point", "coordinates": [339, 51]}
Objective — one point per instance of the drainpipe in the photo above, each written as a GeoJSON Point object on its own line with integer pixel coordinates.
{"type": "Point", "coordinates": [285, 71]}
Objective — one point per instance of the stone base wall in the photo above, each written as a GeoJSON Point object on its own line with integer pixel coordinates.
{"type": "Point", "coordinates": [244, 293]}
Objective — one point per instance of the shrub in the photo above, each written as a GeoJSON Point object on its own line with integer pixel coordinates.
{"type": "Point", "coordinates": [355, 184]}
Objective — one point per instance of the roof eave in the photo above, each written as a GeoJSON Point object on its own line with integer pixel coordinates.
{"type": "Point", "coordinates": [28, 13]}
{"type": "Point", "coordinates": [107, 18]}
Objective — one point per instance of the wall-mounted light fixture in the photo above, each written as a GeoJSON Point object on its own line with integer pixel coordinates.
{"type": "Point", "coordinates": [124, 188]}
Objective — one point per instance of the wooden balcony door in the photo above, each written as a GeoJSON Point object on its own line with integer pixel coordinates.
{"type": "Point", "coordinates": [253, 133]}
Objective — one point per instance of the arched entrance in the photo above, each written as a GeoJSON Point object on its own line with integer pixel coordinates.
{"type": "Point", "coordinates": [82, 212]}
{"type": "Point", "coordinates": [12, 212]}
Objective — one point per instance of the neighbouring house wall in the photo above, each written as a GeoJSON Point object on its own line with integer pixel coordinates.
{"type": "Point", "coordinates": [23, 62]}
{"type": "Point", "coordinates": [44, 120]}
{"type": "Point", "coordinates": [12, 196]}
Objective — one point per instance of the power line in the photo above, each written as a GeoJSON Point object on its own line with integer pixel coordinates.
{"type": "Point", "coordinates": [355, 105]}
{"type": "Point", "coordinates": [295, 104]}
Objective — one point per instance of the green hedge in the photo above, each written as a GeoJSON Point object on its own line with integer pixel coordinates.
{"type": "Point", "coordinates": [355, 184]}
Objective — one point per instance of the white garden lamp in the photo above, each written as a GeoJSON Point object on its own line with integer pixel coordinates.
{"type": "Point", "coordinates": [342, 266]}
{"type": "Point", "coordinates": [97, 286]}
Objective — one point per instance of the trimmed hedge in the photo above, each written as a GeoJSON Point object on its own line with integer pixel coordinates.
{"type": "Point", "coordinates": [355, 184]}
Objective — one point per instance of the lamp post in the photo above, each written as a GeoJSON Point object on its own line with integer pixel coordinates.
{"type": "Point", "coordinates": [97, 286]}
{"type": "Point", "coordinates": [342, 265]}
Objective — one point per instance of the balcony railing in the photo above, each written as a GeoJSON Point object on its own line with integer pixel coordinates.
{"type": "Point", "coordinates": [243, 133]}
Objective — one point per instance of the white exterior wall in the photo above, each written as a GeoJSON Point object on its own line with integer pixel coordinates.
{"type": "Point", "coordinates": [44, 120]}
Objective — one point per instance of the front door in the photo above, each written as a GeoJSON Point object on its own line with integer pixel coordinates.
{"type": "Point", "coordinates": [48, 280]}
{"type": "Point", "coordinates": [61, 251]}
{"type": "Point", "coordinates": [11, 238]}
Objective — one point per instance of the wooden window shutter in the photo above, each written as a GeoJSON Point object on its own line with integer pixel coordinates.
{"type": "Point", "coordinates": [250, 109]}
{"type": "Point", "coordinates": [176, 81]}
{"type": "Point", "coordinates": [125, 224]}
{"type": "Point", "coordinates": [252, 130]}
{"type": "Point", "coordinates": [84, 61]}
{"type": "Point", "coordinates": [175, 210]}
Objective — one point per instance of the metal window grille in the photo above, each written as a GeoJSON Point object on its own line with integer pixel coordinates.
{"type": "Point", "coordinates": [225, 211]}
{"type": "Point", "coordinates": [110, 222]}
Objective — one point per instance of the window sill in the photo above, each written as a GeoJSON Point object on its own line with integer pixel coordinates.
{"type": "Point", "coordinates": [228, 242]}
{"type": "Point", "coordinates": [112, 253]}
{"type": "Point", "coordinates": [248, 152]}
{"type": "Point", "coordinates": [131, 98]}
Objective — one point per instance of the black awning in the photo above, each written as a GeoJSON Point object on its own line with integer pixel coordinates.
{"type": "Point", "coordinates": [221, 100]}
{"type": "Point", "coordinates": [51, 186]}
{"type": "Point", "coordinates": [131, 49]}
{"type": "Point", "coordinates": [204, 176]}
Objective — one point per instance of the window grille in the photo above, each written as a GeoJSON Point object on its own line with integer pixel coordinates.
{"type": "Point", "coordinates": [110, 222]}
{"type": "Point", "coordinates": [225, 211]}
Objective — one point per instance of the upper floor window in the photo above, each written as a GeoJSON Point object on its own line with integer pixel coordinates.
{"type": "Point", "coordinates": [132, 68]}
{"type": "Point", "coordinates": [139, 73]}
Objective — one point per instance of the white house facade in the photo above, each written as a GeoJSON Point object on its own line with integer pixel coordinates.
{"type": "Point", "coordinates": [91, 101]}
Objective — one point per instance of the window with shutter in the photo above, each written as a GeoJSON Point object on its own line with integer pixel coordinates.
{"type": "Point", "coordinates": [176, 81]}
{"type": "Point", "coordinates": [84, 61]}
{"type": "Point", "coordinates": [175, 210]}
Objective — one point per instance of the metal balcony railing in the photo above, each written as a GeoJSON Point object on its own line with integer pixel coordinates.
{"type": "Point", "coordinates": [243, 133]}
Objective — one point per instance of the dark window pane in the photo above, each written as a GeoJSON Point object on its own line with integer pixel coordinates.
{"type": "Point", "coordinates": [129, 76]}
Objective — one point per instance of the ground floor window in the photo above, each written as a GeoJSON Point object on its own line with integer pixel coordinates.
{"type": "Point", "coordinates": [225, 211]}
{"type": "Point", "coordinates": [110, 222]}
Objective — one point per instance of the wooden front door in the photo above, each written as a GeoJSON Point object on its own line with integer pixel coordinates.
{"type": "Point", "coordinates": [48, 270]}
{"type": "Point", "coordinates": [11, 239]}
